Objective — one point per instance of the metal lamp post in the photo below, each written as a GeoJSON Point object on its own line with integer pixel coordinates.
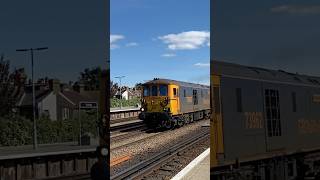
{"type": "Point", "coordinates": [35, 142]}
{"type": "Point", "coordinates": [120, 77]}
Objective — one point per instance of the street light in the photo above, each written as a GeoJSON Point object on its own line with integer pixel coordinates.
{"type": "Point", "coordinates": [35, 142]}
{"type": "Point", "coordinates": [120, 77]}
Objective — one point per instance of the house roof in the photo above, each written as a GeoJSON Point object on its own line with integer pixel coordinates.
{"type": "Point", "coordinates": [26, 99]}
{"type": "Point", "coordinates": [76, 97]}
{"type": "Point", "coordinates": [71, 96]}
{"type": "Point", "coordinates": [249, 72]}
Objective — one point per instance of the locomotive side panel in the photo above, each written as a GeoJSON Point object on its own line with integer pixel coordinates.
{"type": "Point", "coordinates": [242, 115]}
{"type": "Point", "coordinates": [186, 99]}
{"type": "Point", "coordinates": [260, 128]}
{"type": "Point", "coordinates": [194, 99]}
{"type": "Point", "coordinates": [204, 98]}
{"type": "Point", "coordinates": [298, 129]}
{"type": "Point", "coordinates": [308, 124]}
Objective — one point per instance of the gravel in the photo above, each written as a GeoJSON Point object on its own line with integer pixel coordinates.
{"type": "Point", "coordinates": [142, 146]}
{"type": "Point", "coordinates": [179, 161]}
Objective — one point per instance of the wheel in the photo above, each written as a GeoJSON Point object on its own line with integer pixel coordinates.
{"type": "Point", "coordinates": [191, 118]}
{"type": "Point", "coordinates": [167, 124]}
{"type": "Point", "coordinates": [180, 122]}
{"type": "Point", "coordinates": [186, 119]}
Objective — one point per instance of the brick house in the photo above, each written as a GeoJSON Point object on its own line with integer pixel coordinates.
{"type": "Point", "coordinates": [53, 100]}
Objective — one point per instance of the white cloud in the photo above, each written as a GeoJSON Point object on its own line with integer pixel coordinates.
{"type": "Point", "coordinates": [201, 79]}
{"type": "Point", "coordinates": [186, 40]}
{"type": "Point", "coordinates": [131, 44]}
{"type": "Point", "coordinates": [202, 64]}
{"type": "Point", "coordinates": [168, 55]}
{"type": "Point", "coordinates": [113, 39]}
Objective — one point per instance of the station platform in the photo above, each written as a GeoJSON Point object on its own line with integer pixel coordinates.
{"type": "Point", "coordinates": [27, 151]}
{"type": "Point", "coordinates": [132, 108]}
{"type": "Point", "coordinates": [198, 169]}
{"type": "Point", "coordinates": [125, 123]}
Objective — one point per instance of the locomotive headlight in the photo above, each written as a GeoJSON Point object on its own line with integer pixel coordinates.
{"type": "Point", "coordinates": [142, 109]}
{"type": "Point", "coordinates": [104, 151]}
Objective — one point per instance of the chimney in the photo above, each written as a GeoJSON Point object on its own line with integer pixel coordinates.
{"type": "Point", "coordinates": [81, 88]}
{"type": "Point", "coordinates": [54, 85]}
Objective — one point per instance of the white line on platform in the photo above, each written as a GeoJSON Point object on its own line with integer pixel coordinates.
{"type": "Point", "coordinates": [191, 165]}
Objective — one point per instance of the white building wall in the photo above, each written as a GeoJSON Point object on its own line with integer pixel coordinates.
{"type": "Point", "coordinates": [125, 95]}
{"type": "Point", "coordinates": [49, 104]}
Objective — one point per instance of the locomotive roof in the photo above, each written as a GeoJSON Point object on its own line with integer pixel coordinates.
{"type": "Point", "coordinates": [180, 83]}
{"type": "Point", "coordinates": [257, 73]}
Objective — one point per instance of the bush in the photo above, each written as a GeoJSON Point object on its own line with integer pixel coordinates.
{"type": "Point", "coordinates": [16, 130]}
{"type": "Point", "coordinates": [115, 102]}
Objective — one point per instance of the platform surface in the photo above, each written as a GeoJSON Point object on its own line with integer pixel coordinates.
{"type": "Point", "coordinates": [131, 108]}
{"type": "Point", "coordinates": [125, 122]}
{"type": "Point", "coordinates": [13, 152]}
{"type": "Point", "coordinates": [198, 169]}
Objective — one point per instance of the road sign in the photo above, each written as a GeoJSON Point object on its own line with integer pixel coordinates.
{"type": "Point", "coordinates": [88, 105]}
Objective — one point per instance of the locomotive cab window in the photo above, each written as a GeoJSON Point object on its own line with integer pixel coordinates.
{"type": "Point", "coordinates": [154, 90]}
{"type": "Point", "coordinates": [175, 92]}
{"type": "Point", "coordinates": [146, 91]}
{"type": "Point", "coordinates": [163, 90]}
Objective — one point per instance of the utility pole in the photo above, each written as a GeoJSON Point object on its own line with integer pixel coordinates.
{"type": "Point", "coordinates": [35, 142]}
{"type": "Point", "coordinates": [120, 77]}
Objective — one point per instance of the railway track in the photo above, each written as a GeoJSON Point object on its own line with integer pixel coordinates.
{"type": "Point", "coordinates": [114, 121]}
{"type": "Point", "coordinates": [145, 167]}
{"type": "Point", "coordinates": [128, 126]}
{"type": "Point", "coordinates": [132, 142]}
{"type": "Point", "coordinates": [143, 129]}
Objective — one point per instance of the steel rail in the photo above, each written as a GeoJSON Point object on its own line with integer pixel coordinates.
{"type": "Point", "coordinates": [128, 126]}
{"type": "Point", "coordinates": [146, 166]}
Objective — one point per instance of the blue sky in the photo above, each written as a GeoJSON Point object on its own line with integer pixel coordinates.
{"type": "Point", "coordinates": [75, 32]}
{"type": "Point", "coordinates": [276, 34]}
{"type": "Point", "coordinates": [160, 39]}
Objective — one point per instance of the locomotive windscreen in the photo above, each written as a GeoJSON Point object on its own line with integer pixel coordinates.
{"type": "Point", "coordinates": [155, 90]}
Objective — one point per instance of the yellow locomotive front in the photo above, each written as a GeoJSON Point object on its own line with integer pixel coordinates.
{"type": "Point", "coordinates": [158, 104]}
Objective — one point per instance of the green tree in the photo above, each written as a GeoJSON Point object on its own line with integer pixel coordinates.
{"type": "Point", "coordinates": [90, 79]}
{"type": "Point", "coordinates": [138, 86]}
{"type": "Point", "coordinates": [15, 131]}
{"type": "Point", "coordinates": [114, 88]}
{"type": "Point", "coordinates": [11, 86]}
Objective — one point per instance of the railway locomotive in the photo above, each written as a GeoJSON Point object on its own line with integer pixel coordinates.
{"type": "Point", "coordinates": [265, 124]}
{"type": "Point", "coordinates": [168, 103]}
